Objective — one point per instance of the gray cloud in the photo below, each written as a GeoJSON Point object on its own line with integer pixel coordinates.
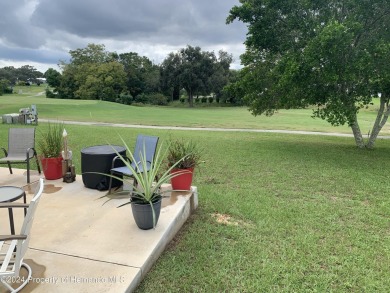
{"type": "Point", "coordinates": [43, 56]}
{"type": "Point", "coordinates": [122, 25]}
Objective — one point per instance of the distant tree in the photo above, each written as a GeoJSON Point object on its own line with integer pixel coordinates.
{"type": "Point", "coordinates": [142, 74]}
{"type": "Point", "coordinates": [221, 74]}
{"type": "Point", "coordinates": [9, 73]}
{"type": "Point", "coordinates": [25, 74]}
{"type": "Point", "coordinates": [169, 72]}
{"type": "Point", "coordinates": [92, 73]}
{"type": "Point", "coordinates": [68, 85]}
{"type": "Point", "coordinates": [152, 79]}
{"type": "Point", "coordinates": [28, 73]}
{"type": "Point", "coordinates": [4, 86]}
{"type": "Point", "coordinates": [196, 68]}
{"type": "Point", "coordinates": [104, 81]}
{"type": "Point", "coordinates": [93, 53]}
{"type": "Point", "coordinates": [331, 54]}
{"type": "Point", "coordinates": [53, 77]}
{"type": "Point", "coordinates": [232, 92]}
{"type": "Point", "coordinates": [193, 70]}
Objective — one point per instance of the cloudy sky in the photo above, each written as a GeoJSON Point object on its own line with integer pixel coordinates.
{"type": "Point", "coordinates": [40, 33]}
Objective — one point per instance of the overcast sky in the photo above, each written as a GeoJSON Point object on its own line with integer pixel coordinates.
{"type": "Point", "coordinates": [40, 33]}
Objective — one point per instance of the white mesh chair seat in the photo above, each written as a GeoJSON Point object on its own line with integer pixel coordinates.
{"type": "Point", "coordinates": [14, 247]}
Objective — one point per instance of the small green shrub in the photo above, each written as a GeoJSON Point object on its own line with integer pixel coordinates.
{"type": "Point", "coordinates": [50, 94]}
{"type": "Point", "coordinates": [141, 98]}
{"type": "Point", "coordinates": [125, 98]}
{"type": "Point", "coordinates": [158, 99]}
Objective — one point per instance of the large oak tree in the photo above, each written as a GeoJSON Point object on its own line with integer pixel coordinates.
{"type": "Point", "coordinates": [330, 54]}
{"type": "Point", "coordinates": [92, 74]}
{"type": "Point", "coordinates": [198, 72]}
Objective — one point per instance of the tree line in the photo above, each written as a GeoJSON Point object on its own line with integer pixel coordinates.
{"type": "Point", "coordinates": [96, 74]}
{"type": "Point", "coordinates": [25, 75]}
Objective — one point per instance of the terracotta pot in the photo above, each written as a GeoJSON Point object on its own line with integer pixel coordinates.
{"type": "Point", "coordinates": [182, 181]}
{"type": "Point", "coordinates": [52, 168]}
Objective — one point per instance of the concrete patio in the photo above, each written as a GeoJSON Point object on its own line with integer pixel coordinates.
{"type": "Point", "coordinates": [83, 243]}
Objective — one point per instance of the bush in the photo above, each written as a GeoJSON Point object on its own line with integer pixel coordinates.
{"type": "Point", "coordinates": [50, 94]}
{"type": "Point", "coordinates": [125, 98]}
{"type": "Point", "coordinates": [21, 83]}
{"type": "Point", "coordinates": [158, 99]}
{"type": "Point", "coordinates": [141, 98]}
{"type": "Point", "coordinates": [204, 99]}
{"type": "Point", "coordinates": [211, 99]}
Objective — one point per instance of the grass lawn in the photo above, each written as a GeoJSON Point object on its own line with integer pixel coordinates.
{"type": "Point", "coordinates": [223, 117]}
{"type": "Point", "coordinates": [277, 213]}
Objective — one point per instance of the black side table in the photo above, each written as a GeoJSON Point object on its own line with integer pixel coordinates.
{"type": "Point", "coordinates": [99, 159]}
{"type": "Point", "coordinates": [10, 194]}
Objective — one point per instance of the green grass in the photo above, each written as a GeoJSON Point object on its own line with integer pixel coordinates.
{"type": "Point", "coordinates": [277, 213]}
{"type": "Point", "coordinates": [223, 117]}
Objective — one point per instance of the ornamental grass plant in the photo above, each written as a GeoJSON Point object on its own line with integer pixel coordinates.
{"type": "Point", "coordinates": [50, 140]}
{"type": "Point", "coordinates": [183, 153]}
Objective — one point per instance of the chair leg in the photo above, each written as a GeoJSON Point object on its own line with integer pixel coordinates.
{"type": "Point", "coordinates": [28, 171]}
{"type": "Point", "coordinates": [37, 161]}
{"type": "Point", "coordinates": [6, 285]}
{"type": "Point", "coordinates": [135, 182]}
{"type": "Point", "coordinates": [110, 184]}
{"type": "Point", "coordinates": [21, 286]}
{"type": "Point", "coordinates": [9, 167]}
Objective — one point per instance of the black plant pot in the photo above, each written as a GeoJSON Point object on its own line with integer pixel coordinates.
{"type": "Point", "coordinates": [143, 215]}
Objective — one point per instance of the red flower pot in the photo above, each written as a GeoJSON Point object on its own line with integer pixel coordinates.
{"type": "Point", "coordinates": [52, 168]}
{"type": "Point", "coordinates": [182, 181]}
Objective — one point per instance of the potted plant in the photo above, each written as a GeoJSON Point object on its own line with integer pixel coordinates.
{"type": "Point", "coordinates": [146, 193]}
{"type": "Point", "coordinates": [50, 147]}
{"type": "Point", "coordinates": [187, 154]}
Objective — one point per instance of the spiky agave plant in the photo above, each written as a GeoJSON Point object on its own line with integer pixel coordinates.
{"type": "Point", "coordinates": [148, 187]}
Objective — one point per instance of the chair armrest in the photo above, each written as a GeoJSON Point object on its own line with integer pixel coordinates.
{"type": "Point", "coordinates": [139, 163]}
{"type": "Point", "coordinates": [12, 237]}
{"type": "Point", "coordinates": [14, 205]}
{"type": "Point", "coordinates": [118, 158]}
{"type": "Point", "coordinates": [28, 152]}
{"type": "Point", "coordinates": [5, 152]}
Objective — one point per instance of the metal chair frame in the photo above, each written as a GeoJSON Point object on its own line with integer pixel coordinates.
{"type": "Point", "coordinates": [144, 142]}
{"type": "Point", "coordinates": [21, 149]}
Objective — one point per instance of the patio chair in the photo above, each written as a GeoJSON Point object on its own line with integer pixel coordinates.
{"type": "Point", "coordinates": [14, 247]}
{"type": "Point", "coordinates": [21, 149]}
{"type": "Point", "coordinates": [149, 143]}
